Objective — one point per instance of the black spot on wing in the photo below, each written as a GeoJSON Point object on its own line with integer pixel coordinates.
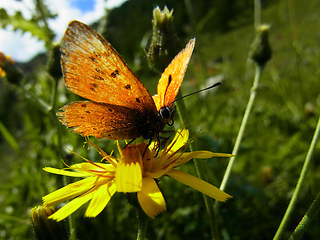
{"type": "Point", "coordinates": [97, 54]}
{"type": "Point", "coordinates": [93, 58]}
{"type": "Point", "coordinates": [114, 74]}
{"type": "Point", "coordinates": [97, 77]}
{"type": "Point", "coordinates": [94, 86]}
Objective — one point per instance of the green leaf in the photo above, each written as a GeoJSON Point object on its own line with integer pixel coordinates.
{"type": "Point", "coordinates": [18, 22]}
{"type": "Point", "coordinates": [9, 138]}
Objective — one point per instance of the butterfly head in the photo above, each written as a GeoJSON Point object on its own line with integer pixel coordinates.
{"type": "Point", "coordinates": [166, 114]}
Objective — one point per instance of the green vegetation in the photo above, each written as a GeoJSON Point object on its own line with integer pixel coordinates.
{"type": "Point", "coordinates": [271, 155]}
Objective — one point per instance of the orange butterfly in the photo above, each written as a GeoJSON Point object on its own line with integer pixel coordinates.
{"type": "Point", "coordinates": [119, 106]}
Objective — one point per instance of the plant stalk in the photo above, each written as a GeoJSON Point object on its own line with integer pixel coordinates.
{"type": "Point", "coordinates": [142, 224]}
{"type": "Point", "coordinates": [258, 72]}
{"type": "Point", "coordinates": [182, 112]}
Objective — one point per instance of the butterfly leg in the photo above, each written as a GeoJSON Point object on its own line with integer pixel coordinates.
{"type": "Point", "coordinates": [150, 140]}
{"type": "Point", "coordinates": [159, 144]}
{"type": "Point", "coordinates": [131, 141]}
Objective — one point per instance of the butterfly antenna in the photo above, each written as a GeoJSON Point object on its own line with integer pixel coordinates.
{"type": "Point", "coordinates": [207, 88]}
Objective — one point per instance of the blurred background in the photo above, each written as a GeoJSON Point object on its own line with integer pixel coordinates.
{"type": "Point", "coordinates": [276, 139]}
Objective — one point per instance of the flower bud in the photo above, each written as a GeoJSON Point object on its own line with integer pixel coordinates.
{"type": "Point", "coordinates": [260, 51]}
{"type": "Point", "coordinates": [45, 228]}
{"type": "Point", "coordinates": [164, 42]}
{"type": "Point", "coordinates": [54, 63]}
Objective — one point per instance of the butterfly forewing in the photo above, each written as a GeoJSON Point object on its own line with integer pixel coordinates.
{"type": "Point", "coordinates": [172, 76]}
{"type": "Point", "coordinates": [94, 70]}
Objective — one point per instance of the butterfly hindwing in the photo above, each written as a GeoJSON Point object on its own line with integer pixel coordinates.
{"type": "Point", "coordinates": [103, 120]}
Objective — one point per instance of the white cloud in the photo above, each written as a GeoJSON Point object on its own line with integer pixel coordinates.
{"type": "Point", "coordinates": [19, 46]}
{"type": "Point", "coordinates": [22, 47]}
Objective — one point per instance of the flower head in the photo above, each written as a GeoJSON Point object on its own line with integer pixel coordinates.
{"type": "Point", "coordinates": [3, 60]}
{"type": "Point", "coordinates": [134, 171]}
{"type": "Point", "coordinates": [9, 70]}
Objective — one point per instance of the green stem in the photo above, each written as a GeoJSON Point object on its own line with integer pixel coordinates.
{"type": "Point", "coordinates": [307, 218]}
{"type": "Point", "coordinates": [182, 112]}
{"type": "Point", "coordinates": [142, 224]}
{"type": "Point", "coordinates": [293, 201]}
{"type": "Point", "coordinates": [257, 13]}
{"type": "Point", "coordinates": [244, 122]}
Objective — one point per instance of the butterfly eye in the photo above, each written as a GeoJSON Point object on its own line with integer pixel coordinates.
{"type": "Point", "coordinates": [166, 114]}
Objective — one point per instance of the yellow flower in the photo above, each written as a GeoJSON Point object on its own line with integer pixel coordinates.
{"type": "Point", "coordinates": [3, 60]}
{"type": "Point", "coordinates": [135, 171]}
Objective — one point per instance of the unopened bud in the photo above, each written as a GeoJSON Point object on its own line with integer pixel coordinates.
{"type": "Point", "coordinates": [260, 51]}
{"type": "Point", "coordinates": [45, 228]}
{"type": "Point", "coordinates": [54, 63]}
{"type": "Point", "coordinates": [164, 43]}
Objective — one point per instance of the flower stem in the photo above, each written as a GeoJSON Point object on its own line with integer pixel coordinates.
{"type": "Point", "coordinates": [182, 112]}
{"type": "Point", "coordinates": [258, 72]}
{"type": "Point", "coordinates": [257, 13]}
{"type": "Point", "coordinates": [293, 201]}
{"type": "Point", "coordinates": [142, 224]}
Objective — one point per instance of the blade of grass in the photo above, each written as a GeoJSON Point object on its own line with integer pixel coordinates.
{"type": "Point", "coordinates": [307, 219]}
{"type": "Point", "coordinates": [299, 186]}
{"type": "Point", "coordinates": [9, 138]}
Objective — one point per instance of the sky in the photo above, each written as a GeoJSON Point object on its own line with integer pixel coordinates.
{"type": "Point", "coordinates": [22, 47]}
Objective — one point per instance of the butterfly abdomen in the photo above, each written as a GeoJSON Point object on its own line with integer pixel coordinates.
{"type": "Point", "coordinates": [149, 125]}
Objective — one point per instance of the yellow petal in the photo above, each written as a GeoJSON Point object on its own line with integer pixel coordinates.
{"type": "Point", "coordinates": [185, 157]}
{"type": "Point", "coordinates": [66, 173]}
{"type": "Point", "coordinates": [150, 198]}
{"type": "Point", "coordinates": [70, 191]}
{"type": "Point", "coordinates": [128, 177]}
{"type": "Point", "coordinates": [100, 199]}
{"type": "Point", "coordinates": [90, 166]}
{"type": "Point", "coordinates": [158, 170]}
{"type": "Point", "coordinates": [71, 207]}
{"type": "Point", "coordinates": [199, 185]}
{"type": "Point", "coordinates": [179, 140]}
{"type": "Point", "coordinates": [158, 173]}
